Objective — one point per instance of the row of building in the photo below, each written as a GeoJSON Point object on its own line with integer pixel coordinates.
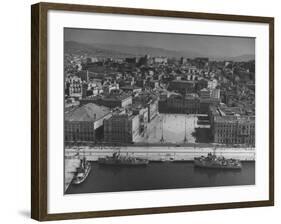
{"type": "Point", "coordinates": [116, 100]}
{"type": "Point", "coordinates": [200, 62]}
{"type": "Point", "coordinates": [191, 103]}
{"type": "Point", "coordinates": [231, 125]}
{"type": "Point", "coordinates": [112, 124]}
{"type": "Point", "coordinates": [192, 85]}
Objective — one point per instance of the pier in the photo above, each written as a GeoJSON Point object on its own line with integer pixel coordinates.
{"type": "Point", "coordinates": [158, 153]}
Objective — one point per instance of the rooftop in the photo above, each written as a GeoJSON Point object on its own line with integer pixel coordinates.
{"type": "Point", "coordinates": [116, 97]}
{"type": "Point", "coordinates": [127, 87]}
{"type": "Point", "coordinates": [184, 81]}
{"type": "Point", "coordinates": [191, 96]}
{"type": "Point", "coordinates": [88, 112]}
{"type": "Point", "coordinates": [230, 114]}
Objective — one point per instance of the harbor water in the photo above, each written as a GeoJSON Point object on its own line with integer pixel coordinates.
{"type": "Point", "coordinates": [161, 175]}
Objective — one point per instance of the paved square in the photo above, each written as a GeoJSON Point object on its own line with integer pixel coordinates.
{"type": "Point", "coordinates": [175, 128]}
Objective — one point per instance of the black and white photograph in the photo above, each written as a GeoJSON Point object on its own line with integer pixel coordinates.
{"type": "Point", "coordinates": [155, 111]}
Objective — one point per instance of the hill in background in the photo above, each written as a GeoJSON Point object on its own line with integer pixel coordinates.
{"type": "Point", "coordinates": [121, 51]}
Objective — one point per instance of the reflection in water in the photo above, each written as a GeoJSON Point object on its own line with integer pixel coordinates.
{"type": "Point", "coordinates": [214, 175]}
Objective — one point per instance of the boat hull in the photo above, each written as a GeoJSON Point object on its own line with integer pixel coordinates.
{"type": "Point", "coordinates": [81, 180]}
{"type": "Point", "coordinates": [212, 165]}
{"type": "Point", "coordinates": [110, 162]}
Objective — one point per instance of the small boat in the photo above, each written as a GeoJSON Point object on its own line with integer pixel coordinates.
{"type": "Point", "coordinates": [82, 171]}
{"type": "Point", "coordinates": [213, 162]}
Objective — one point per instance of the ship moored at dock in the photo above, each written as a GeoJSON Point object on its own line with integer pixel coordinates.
{"type": "Point", "coordinates": [211, 161]}
{"type": "Point", "coordinates": [82, 171]}
{"type": "Point", "coordinates": [119, 160]}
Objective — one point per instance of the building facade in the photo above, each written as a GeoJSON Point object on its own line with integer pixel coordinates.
{"type": "Point", "coordinates": [74, 87]}
{"type": "Point", "coordinates": [180, 104]}
{"type": "Point", "coordinates": [121, 128]}
{"type": "Point", "coordinates": [229, 127]}
{"type": "Point", "coordinates": [85, 123]}
{"type": "Point", "coordinates": [110, 101]}
{"type": "Point", "coordinates": [205, 104]}
{"type": "Point", "coordinates": [152, 107]}
{"type": "Point", "coordinates": [182, 86]}
{"type": "Point", "coordinates": [189, 103]}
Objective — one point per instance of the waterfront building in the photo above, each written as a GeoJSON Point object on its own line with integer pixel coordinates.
{"type": "Point", "coordinates": [230, 125]}
{"type": "Point", "coordinates": [121, 128]}
{"type": "Point", "coordinates": [85, 123]}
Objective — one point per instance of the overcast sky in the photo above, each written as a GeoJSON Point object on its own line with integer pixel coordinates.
{"type": "Point", "coordinates": [220, 46]}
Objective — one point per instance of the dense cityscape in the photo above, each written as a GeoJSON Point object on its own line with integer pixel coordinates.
{"type": "Point", "coordinates": [126, 100]}
{"type": "Point", "coordinates": [148, 111]}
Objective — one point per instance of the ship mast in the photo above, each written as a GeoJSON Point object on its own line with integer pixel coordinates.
{"type": "Point", "coordinates": [185, 139]}
{"type": "Point", "coordinates": [162, 137]}
{"type": "Point", "coordinates": [194, 130]}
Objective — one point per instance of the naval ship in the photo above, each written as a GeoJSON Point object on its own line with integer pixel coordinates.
{"type": "Point", "coordinates": [119, 160]}
{"type": "Point", "coordinates": [212, 161]}
{"type": "Point", "coordinates": [82, 171]}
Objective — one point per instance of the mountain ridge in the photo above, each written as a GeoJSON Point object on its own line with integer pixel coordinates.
{"type": "Point", "coordinates": [121, 51]}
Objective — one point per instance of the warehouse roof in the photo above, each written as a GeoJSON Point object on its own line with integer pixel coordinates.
{"type": "Point", "coordinates": [88, 112]}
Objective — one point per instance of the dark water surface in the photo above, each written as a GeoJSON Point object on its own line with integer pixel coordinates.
{"type": "Point", "coordinates": [160, 176]}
